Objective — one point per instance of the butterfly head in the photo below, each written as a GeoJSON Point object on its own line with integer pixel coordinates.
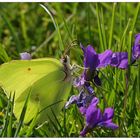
{"type": "Point", "coordinates": [65, 60]}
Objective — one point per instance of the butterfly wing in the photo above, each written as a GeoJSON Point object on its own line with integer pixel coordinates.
{"type": "Point", "coordinates": [42, 78]}
{"type": "Point", "coordinates": [17, 76]}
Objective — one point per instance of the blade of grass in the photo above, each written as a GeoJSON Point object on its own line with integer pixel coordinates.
{"type": "Point", "coordinates": [110, 82]}
{"type": "Point", "coordinates": [120, 19]}
{"type": "Point", "coordinates": [32, 125]}
{"type": "Point", "coordinates": [21, 119]}
{"type": "Point", "coordinates": [2, 96]}
{"type": "Point", "coordinates": [50, 37]}
{"type": "Point", "coordinates": [109, 8]}
{"type": "Point", "coordinates": [135, 17]}
{"type": "Point", "coordinates": [41, 133]}
{"type": "Point", "coordinates": [125, 94]}
{"type": "Point", "coordinates": [9, 130]}
{"type": "Point", "coordinates": [129, 48]}
{"type": "Point", "coordinates": [67, 29]}
{"type": "Point", "coordinates": [132, 103]}
{"type": "Point", "coordinates": [6, 119]}
{"type": "Point", "coordinates": [61, 44]}
{"type": "Point", "coordinates": [64, 123]}
{"type": "Point", "coordinates": [128, 73]}
{"type": "Point", "coordinates": [23, 28]}
{"type": "Point", "coordinates": [3, 54]}
{"type": "Point", "coordinates": [50, 106]}
{"type": "Point", "coordinates": [112, 26]}
{"type": "Point", "coordinates": [12, 30]}
{"type": "Point", "coordinates": [125, 13]}
{"type": "Point", "coordinates": [103, 29]}
{"type": "Point", "coordinates": [99, 27]}
{"type": "Point", "coordinates": [57, 121]}
{"type": "Point", "coordinates": [124, 35]}
{"type": "Point", "coordinates": [55, 126]}
{"type": "Point", "coordinates": [89, 22]}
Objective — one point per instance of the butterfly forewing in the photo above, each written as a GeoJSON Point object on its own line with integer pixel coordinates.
{"type": "Point", "coordinates": [17, 76]}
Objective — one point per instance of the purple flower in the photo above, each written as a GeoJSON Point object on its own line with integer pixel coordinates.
{"type": "Point", "coordinates": [25, 56]}
{"type": "Point", "coordinates": [136, 48]}
{"type": "Point", "coordinates": [120, 60]}
{"type": "Point", "coordinates": [87, 105]}
{"type": "Point", "coordinates": [82, 100]}
{"type": "Point", "coordinates": [94, 117]}
{"type": "Point", "coordinates": [94, 61]}
{"type": "Point", "coordinates": [79, 81]}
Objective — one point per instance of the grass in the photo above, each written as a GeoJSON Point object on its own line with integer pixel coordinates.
{"type": "Point", "coordinates": [48, 34]}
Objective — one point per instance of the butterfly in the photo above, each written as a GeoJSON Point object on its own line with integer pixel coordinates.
{"type": "Point", "coordinates": [47, 80]}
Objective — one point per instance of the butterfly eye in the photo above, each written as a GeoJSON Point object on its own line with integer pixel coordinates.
{"type": "Point", "coordinates": [65, 59]}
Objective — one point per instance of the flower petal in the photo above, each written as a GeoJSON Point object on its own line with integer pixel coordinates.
{"type": "Point", "coordinates": [94, 101]}
{"type": "Point", "coordinates": [73, 99]}
{"type": "Point", "coordinates": [84, 131]}
{"type": "Point", "coordinates": [93, 117]}
{"type": "Point", "coordinates": [90, 58]}
{"type": "Point", "coordinates": [136, 48]}
{"type": "Point", "coordinates": [105, 58]}
{"type": "Point", "coordinates": [80, 81]}
{"type": "Point", "coordinates": [135, 52]}
{"type": "Point", "coordinates": [137, 39]}
{"type": "Point", "coordinates": [108, 124]}
{"type": "Point", "coordinates": [93, 114]}
{"type": "Point", "coordinates": [83, 110]}
{"type": "Point", "coordinates": [120, 60]}
{"type": "Point", "coordinates": [89, 89]}
{"type": "Point", "coordinates": [85, 99]}
{"type": "Point", "coordinates": [108, 114]}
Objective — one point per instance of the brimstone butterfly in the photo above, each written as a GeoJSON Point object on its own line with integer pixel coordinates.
{"type": "Point", "coordinates": [46, 79]}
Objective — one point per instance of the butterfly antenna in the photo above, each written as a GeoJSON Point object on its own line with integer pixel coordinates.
{"type": "Point", "coordinates": [72, 44]}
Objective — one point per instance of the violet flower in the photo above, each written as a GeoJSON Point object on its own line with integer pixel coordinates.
{"type": "Point", "coordinates": [136, 48]}
{"type": "Point", "coordinates": [94, 117]}
{"type": "Point", "coordinates": [81, 100]}
{"type": "Point", "coordinates": [25, 56]}
{"type": "Point", "coordinates": [94, 61]}
{"type": "Point", "coordinates": [87, 105]}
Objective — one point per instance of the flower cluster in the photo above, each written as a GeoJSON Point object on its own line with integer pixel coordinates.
{"type": "Point", "coordinates": [86, 101]}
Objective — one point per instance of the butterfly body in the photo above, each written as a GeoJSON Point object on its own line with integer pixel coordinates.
{"type": "Point", "coordinates": [47, 80]}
